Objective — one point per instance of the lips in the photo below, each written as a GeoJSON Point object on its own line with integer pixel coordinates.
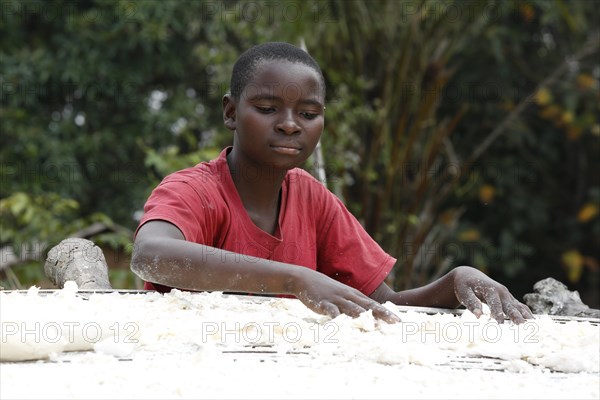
{"type": "Point", "coordinates": [286, 148]}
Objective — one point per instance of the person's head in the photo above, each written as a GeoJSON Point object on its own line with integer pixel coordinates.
{"type": "Point", "coordinates": [249, 61]}
{"type": "Point", "coordinates": [276, 105]}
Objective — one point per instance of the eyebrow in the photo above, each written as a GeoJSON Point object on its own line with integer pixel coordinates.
{"type": "Point", "coordinates": [269, 97]}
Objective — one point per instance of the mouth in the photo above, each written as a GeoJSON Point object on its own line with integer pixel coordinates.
{"type": "Point", "coordinates": [288, 149]}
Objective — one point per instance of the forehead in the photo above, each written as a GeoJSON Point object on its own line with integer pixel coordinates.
{"type": "Point", "coordinates": [288, 80]}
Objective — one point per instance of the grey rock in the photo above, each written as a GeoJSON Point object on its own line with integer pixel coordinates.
{"type": "Point", "coordinates": [553, 297]}
{"type": "Point", "coordinates": [79, 260]}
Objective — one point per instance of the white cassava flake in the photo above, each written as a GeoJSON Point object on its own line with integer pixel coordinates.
{"type": "Point", "coordinates": [148, 345]}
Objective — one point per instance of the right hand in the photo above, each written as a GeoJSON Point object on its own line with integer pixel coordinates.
{"type": "Point", "coordinates": [325, 295]}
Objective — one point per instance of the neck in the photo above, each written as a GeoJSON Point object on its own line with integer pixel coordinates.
{"type": "Point", "coordinates": [258, 186]}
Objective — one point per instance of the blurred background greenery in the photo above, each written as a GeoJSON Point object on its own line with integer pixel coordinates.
{"type": "Point", "coordinates": [458, 132]}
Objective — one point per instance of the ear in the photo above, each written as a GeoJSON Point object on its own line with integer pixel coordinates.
{"type": "Point", "coordinates": [229, 112]}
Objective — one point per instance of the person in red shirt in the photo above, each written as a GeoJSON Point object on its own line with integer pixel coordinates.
{"type": "Point", "coordinates": [251, 221]}
{"type": "Point", "coordinates": [313, 228]}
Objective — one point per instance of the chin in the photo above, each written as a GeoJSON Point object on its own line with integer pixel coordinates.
{"type": "Point", "coordinates": [282, 165]}
{"type": "Point", "coordinates": [287, 166]}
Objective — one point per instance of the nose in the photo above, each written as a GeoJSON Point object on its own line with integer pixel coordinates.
{"type": "Point", "coordinates": [287, 124]}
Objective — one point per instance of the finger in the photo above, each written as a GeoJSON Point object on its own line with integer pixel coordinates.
{"type": "Point", "coordinates": [493, 301]}
{"type": "Point", "coordinates": [513, 313]}
{"type": "Point", "coordinates": [468, 299]}
{"type": "Point", "coordinates": [329, 309]}
{"type": "Point", "coordinates": [525, 311]}
{"type": "Point", "coordinates": [379, 311]}
{"type": "Point", "coordinates": [350, 308]}
{"type": "Point", "coordinates": [384, 314]}
{"type": "Point", "coordinates": [516, 311]}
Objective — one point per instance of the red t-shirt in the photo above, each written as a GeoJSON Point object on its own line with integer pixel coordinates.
{"type": "Point", "coordinates": [315, 229]}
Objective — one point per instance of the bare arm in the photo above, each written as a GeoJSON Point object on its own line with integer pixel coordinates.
{"type": "Point", "coordinates": [463, 285]}
{"type": "Point", "coordinates": [162, 255]}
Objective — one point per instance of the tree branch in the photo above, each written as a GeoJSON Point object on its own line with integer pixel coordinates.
{"type": "Point", "coordinates": [590, 46]}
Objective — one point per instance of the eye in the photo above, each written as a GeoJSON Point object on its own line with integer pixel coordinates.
{"type": "Point", "coordinates": [265, 109]}
{"type": "Point", "coordinates": [309, 115]}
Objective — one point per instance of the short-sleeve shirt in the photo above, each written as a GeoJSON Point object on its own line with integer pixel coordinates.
{"type": "Point", "coordinates": [315, 230]}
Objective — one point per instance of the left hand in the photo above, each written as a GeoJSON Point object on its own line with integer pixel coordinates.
{"type": "Point", "coordinates": [472, 286]}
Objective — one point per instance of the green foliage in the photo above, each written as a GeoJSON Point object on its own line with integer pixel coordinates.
{"type": "Point", "coordinates": [432, 138]}
{"type": "Point", "coordinates": [529, 187]}
{"type": "Point", "coordinates": [169, 159]}
{"type": "Point", "coordinates": [46, 217]}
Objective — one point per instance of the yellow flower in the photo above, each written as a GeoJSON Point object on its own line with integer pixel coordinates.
{"type": "Point", "coordinates": [587, 212]}
{"type": "Point", "coordinates": [550, 112]}
{"type": "Point", "coordinates": [487, 193]}
{"type": "Point", "coordinates": [470, 235]}
{"type": "Point", "coordinates": [567, 117]}
{"type": "Point", "coordinates": [573, 262]}
{"type": "Point", "coordinates": [585, 81]}
{"type": "Point", "coordinates": [543, 96]}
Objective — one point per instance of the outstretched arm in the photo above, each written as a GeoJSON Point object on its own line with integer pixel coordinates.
{"type": "Point", "coordinates": [162, 255]}
{"type": "Point", "coordinates": [463, 285]}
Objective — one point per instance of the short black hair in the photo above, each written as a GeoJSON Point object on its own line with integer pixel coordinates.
{"type": "Point", "coordinates": [246, 64]}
